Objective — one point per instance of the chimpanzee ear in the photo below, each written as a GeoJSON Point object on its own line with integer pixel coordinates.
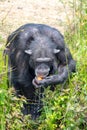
{"type": "Point", "coordinates": [55, 51]}
{"type": "Point", "coordinates": [28, 52]}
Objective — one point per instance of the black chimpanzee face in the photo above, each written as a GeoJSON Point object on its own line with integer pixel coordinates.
{"type": "Point", "coordinates": [42, 55]}
{"type": "Point", "coordinates": [42, 64]}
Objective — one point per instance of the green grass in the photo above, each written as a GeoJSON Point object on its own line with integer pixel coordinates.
{"type": "Point", "coordinates": [66, 107]}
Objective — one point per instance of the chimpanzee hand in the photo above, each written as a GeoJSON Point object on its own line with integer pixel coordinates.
{"type": "Point", "coordinates": [44, 82]}
{"type": "Point", "coordinates": [38, 83]}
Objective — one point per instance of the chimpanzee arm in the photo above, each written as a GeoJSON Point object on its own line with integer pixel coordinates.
{"type": "Point", "coordinates": [65, 69]}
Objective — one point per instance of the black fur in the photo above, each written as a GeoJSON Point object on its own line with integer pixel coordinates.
{"type": "Point", "coordinates": [41, 40]}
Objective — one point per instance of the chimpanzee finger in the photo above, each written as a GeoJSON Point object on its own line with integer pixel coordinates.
{"type": "Point", "coordinates": [35, 83]}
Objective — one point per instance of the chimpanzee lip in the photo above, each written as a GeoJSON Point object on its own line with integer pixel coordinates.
{"type": "Point", "coordinates": [42, 76]}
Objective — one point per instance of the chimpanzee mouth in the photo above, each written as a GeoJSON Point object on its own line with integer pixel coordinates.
{"type": "Point", "coordinates": [41, 76]}
{"type": "Point", "coordinates": [42, 73]}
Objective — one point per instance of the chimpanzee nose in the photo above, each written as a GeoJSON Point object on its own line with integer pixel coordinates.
{"type": "Point", "coordinates": [42, 70]}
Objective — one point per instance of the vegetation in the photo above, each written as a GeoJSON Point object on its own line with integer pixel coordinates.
{"type": "Point", "coordinates": [66, 107]}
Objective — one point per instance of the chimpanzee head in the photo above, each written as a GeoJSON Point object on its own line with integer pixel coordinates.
{"type": "Point", "coordinates": [42, 56]}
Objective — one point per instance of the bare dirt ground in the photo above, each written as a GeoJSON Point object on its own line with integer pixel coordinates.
{"type": "Point", "coordinates": [14, 13]}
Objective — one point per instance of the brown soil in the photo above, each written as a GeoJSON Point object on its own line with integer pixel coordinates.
{"type": "Point", "coordinates": [14, 13]}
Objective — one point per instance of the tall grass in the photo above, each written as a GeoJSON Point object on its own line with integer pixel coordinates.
{"type": "Point", "coordinates": [66, 107]}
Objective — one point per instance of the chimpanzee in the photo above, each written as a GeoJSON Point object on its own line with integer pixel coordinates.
{"type": "Point", "coordinates": [37, 58]}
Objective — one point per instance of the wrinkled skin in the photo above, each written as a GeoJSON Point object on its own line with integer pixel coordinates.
{"type": "Point", "coordinates": [38, 57]}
